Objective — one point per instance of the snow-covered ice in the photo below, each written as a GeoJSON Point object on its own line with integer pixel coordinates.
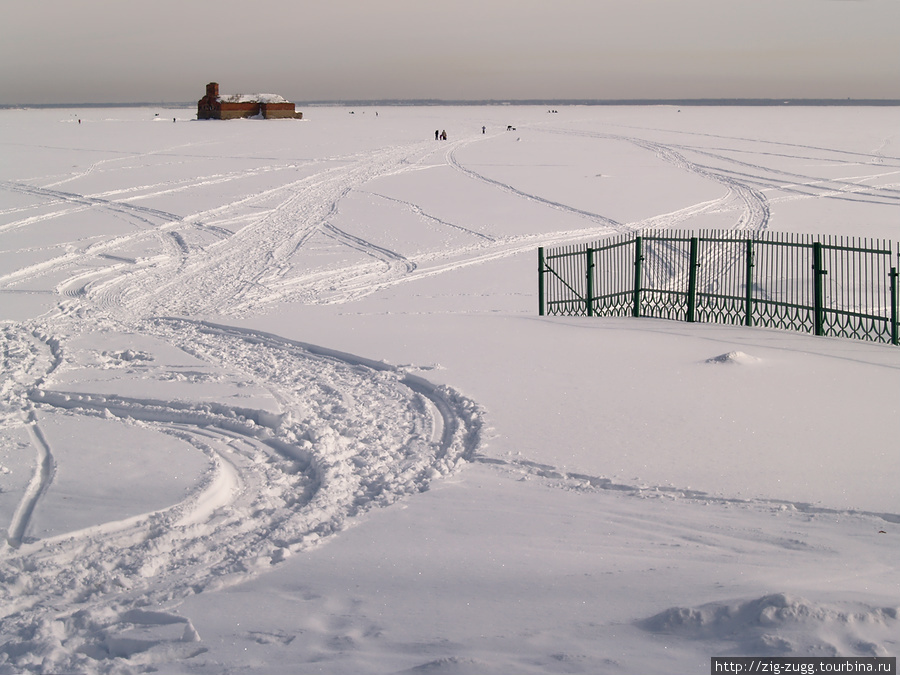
{"type": "Point", "coordinates": [275, 397]}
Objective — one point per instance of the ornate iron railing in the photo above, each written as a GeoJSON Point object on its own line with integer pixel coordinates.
{"type": "Point", "coordinates": [839, 286]}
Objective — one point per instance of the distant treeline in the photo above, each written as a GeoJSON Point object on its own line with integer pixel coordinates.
{"type": "Point", "coordinates": [511, 102]}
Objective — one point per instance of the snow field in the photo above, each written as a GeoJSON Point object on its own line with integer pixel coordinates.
{"type": "Point", "coordinates": [224, 344]}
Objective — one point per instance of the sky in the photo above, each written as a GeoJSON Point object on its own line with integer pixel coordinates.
{"type": "Point", "coordinates": [120, 51]}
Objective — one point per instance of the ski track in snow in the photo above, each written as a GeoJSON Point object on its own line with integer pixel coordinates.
{"type": "Point", "coordinates": [749, 202]}
{"type": "Point", "coordinates": [350, 434]}
{"type": "Point", "coordinates": [141, 214]}
{"type": "Point", "coordinates": [260, 263]}
{"type": "Point", "coordinates": [568, 480]}
{"type": "Point", "coordinates": [607, 225]}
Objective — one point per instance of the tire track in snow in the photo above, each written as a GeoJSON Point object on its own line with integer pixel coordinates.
{"type": "Point", "coordinates": [394, 261]}
{"type": "Point", "coordinates": [388, 267]}
{"type": "Point", "coordinates": [268, 260]}
{"type": "Point", "coordinates": [156, 225]}
{"type": "Point", "coordinates": [419, 211]}
{"type": "Point", "coordinates": [791, 181]}
{"type": "Point", "coordinates": [848, 189]}
{"type": "Point", "coordinates": [359, 283]}
{"type": "Point", "coordinates": [144, 215]}
{"type": "Point", "coordinates": [754, 217]}
{"type": "Point", "coordinates": [82, 262]}
{"type": "Point", "coordinates": [831, 153]}
{"type": "Point", "coordinates": [37, 486]}
{"type": "Point", "coordinates": [566, 480]}
{"type": "Point", "coordinates": [608, 224]}
{"type": "Point", "coordinates": [754, 210]}
{"type": "Point", "coordinates": [256, 265]}
{"type": "Point", "coordinates": [752, 206]}
{"type": "Point", "coordinates": [352, 434]}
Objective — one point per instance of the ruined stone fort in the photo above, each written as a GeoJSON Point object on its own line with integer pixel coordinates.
{"type": "Point", "coordinates": [214, 106]}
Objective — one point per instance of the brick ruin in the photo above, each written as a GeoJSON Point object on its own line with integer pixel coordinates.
{"type": "Point", "coordinates": [213, 106]}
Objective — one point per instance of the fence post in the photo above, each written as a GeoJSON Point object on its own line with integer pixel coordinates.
{"type": "Point", "coordinates": [748, 319]}
{"type": "Point", "coordinates": [540, 281]}
{"type": "Point", "coordinates": [818, 291]}
{"type": "Point", "coordinates": [692, 280]}
{"type": "Point", "coordinates": [638, 259]}
{"type": "Point", "coordinates": [590, 281]}
{"type": "Point", "coordinates": [895, 333]}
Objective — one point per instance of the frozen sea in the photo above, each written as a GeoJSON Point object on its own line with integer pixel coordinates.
{"type": "Point", "coordinates": [275, 396]}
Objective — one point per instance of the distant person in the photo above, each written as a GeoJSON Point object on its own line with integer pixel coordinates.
{"type": "Point", "coordinates": [482, 129]}
{"type": "Point", "coordinates": [444, 135]}
{"type": "Point", "coordinates": [437, 134]}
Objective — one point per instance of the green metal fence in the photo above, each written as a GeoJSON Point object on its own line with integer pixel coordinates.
{"type": "Point", "coordinates": [838, 286]}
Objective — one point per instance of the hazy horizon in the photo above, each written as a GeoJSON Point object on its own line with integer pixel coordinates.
{"type": "Point", "coordinates": [111, 52]}
{"type": "Point", "coordinates": [700, 102]}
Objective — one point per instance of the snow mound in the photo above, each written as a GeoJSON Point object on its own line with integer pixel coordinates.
{"type": "Point", "coordinates": [127, 355]}
{"type": "Point", "coordinates": [734, 357]}
{"type": "Point", "coordinates": [780, 624]}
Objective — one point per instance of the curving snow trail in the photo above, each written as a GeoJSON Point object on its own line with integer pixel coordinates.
{"type": "Point", "coordinates": [263, 261]}
{"type": "Point", "coordinates": [351, 434]}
